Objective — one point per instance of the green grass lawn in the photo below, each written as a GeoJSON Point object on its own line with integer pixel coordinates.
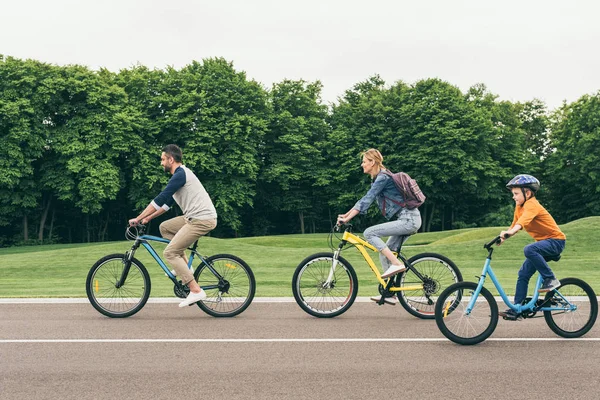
{"type": "Point", "coordinates": [61, 270]}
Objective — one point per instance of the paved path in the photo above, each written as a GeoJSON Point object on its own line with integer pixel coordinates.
{"type": "Point", "coordinates": [276, 351]}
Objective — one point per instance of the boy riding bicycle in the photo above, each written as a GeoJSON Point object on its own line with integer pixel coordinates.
{"type": "Point", "coordinates": [550, 240]}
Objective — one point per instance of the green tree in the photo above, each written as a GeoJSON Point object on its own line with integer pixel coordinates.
{"type": "Point", "coordinates": [26, 90]}
{"type": "Point", "coordinates": [292, 156]}
{"type": "Point", "coordinates": [219, 118]}
{"type": "Point", "coordinates": [573, 166]}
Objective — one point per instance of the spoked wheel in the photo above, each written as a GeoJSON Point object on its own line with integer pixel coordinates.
{"type": "Point", "coordinates": [319, 298]}
{"type": "Point", "coordinates": [110, 300]}
{"type": "Point", "coordinates": [438, 273]}
{"type": "Point", "coordinates": [230, 295]}
{"type": "Point", "coordinates": [453, 321]}
{"type": "Point", "coordinates": [578, 308]}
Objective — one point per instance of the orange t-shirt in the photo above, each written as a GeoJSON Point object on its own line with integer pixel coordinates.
{"type": "Point", "coordinates": [537, 221]}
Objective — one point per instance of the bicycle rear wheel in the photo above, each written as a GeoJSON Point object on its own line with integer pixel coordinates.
{"type": "Point", "coordinates": [569, 322]}
{"type": "Point", "coordinates": [460, 327]}
{"type": "Point", "coordinates": [230, 295]}
{"type": "Point", "coordinates": [106, 297]}
{"type": "Point", "coordinates": [316, 297]}
{"type": "Point", "coordinates": [438, 273]}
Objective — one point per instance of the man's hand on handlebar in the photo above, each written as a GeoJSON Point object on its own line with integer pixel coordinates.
{"type": "Point", "coordinates": [136, 222]}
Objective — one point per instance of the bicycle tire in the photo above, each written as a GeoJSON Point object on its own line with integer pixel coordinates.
{"type": "Point", "coordinates": [440, 272]}
{"type": "Point", "coordinates": [235, 293]}
{"type": "Point", "coordinates": [586, 313]}
{"type": "Point", "coordinates": [117, 302]}
{"type": "Point", "coordinates": [455, 324]}
{"type": "Point", "coordinates": [312, 297]}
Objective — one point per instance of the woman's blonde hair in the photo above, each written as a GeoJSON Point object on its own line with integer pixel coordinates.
{"type": "Point", "coordinates": [374, 155]}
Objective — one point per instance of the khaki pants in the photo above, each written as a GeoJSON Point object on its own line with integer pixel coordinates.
{"type": "Point", "coordinates": [183, 232]}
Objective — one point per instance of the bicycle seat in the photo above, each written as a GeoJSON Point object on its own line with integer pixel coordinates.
{"type": "Point", "coordinates": [552, 258]}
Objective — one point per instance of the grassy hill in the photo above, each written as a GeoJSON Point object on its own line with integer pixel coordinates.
{"type": "Point", "coordinates": [61, 270]}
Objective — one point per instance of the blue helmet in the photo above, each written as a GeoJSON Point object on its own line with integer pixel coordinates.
{"type": "Point", "coordinates": [524, 181]}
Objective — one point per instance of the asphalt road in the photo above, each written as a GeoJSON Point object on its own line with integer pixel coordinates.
{"type": "Point", "coordinates": [276, 351]}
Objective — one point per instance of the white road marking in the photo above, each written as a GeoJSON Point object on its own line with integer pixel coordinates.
{"type": "Point", "coordinates": [283, 340]}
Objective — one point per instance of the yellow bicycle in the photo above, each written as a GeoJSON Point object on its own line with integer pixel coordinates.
{"type": "Point", "coordinates": [325, 284]}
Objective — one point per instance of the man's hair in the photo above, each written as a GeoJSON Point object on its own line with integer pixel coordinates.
{"type": "Point", "coordinates": [174, 151]}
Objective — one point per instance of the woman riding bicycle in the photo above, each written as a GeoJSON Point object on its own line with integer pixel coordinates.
{"type": "Point", "coordinates": [404, 222]}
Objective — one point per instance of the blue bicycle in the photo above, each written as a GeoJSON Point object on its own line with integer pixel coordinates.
{"type": "Point", "coordinates": [118, 285]}
{"type": "Point", "coordinates": [465, 317]}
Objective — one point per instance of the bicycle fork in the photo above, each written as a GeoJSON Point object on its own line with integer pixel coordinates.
{"type": "Point", "coordinates": [127, 265]}
{"type": "Point", "coordinates": [327, 283]}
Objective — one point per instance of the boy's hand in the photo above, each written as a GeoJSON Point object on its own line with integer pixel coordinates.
{"type": "Point", "coordinates": [503, 236]}
{"type": "Point", "coordinates": [133, 222]}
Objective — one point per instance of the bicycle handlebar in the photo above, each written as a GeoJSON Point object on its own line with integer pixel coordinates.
{"type": "Point", "coordinates": [133, 231]}
{"type": "Point", "coordinates": [496, 240]}
{"type": "Point", "coordinates": [493, 242]}
{"type": "Point", "coordinates": [337, 227]}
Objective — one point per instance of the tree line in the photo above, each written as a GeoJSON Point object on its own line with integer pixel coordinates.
{"type": "Point", "coordinates": [80, 149]}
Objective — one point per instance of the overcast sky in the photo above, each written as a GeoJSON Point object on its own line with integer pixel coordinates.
{"type": "Point", "coordinates": [519, 49]}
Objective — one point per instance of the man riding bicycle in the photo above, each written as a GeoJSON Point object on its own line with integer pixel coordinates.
{"type": "Point", "coordinates": [199, 217]}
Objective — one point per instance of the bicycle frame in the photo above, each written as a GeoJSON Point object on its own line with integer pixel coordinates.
{"type": "Point", "coordinates": [488, 271]}
{"type": "Point", "coordinates": [144, 241]}
{"type": "Point", "coordinates": [360, 244]}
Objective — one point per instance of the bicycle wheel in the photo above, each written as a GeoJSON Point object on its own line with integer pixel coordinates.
{"type": "Point", "coordinates": [438, 273]}
{"type": "Point", "coordinates": [110, 300]}
{"type": "Point", "coordinates": [314, 296]}
{"type": "Point", "coordinates": [462, 328]}
{"type": "Point", "coordinates": [230, 295]}
{"type": "Point", "coordinates": [570, 323]}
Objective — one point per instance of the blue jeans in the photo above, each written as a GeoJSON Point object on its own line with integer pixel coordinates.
{"type": "Point", "coordinates": [407, 223]}
{"type": "Point", "coordinates": [534, 254]}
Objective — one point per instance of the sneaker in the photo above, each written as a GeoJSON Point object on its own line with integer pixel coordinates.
{"type": "Point", "coordinates": [510, 315]}
{"type": "Point", "coordinates": [193, 298]}
{"type": "Point", "coordinates": [388, 300]}
{"type": "Point", "coordinates": [549, 284]}
{"type": "Point", "coordinates": [393, 270]}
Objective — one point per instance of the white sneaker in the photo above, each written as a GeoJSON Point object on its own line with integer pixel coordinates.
{"type": "Point", "coordinates": [393, 270]}
{"type": "Point", "coordinates": [388, 300]}
{"type": "Point", "coordinates": [193, 298]}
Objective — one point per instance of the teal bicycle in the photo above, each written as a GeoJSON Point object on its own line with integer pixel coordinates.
{"type": "Point", "coordinates": [118, 285]}
{"type": "Point", "coordinates": [467, 313]}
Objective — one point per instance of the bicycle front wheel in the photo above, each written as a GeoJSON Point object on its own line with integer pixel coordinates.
{"type": "Point", "coordinates": [318, 297]}
{"type": "Point", "coordinates": [233, 292]}
{"type": "Point", "coordinates": [578, 308]}
{"type": "Point", "coordinates": [110, 300]}
{"type": "Point", "coordinates": [438, 273]}
{"type": "Point", "coordinates": [459, 326]}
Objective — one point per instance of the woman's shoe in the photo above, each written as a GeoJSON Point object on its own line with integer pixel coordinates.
{"type": "Point", "coordinates": [393, 270]}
